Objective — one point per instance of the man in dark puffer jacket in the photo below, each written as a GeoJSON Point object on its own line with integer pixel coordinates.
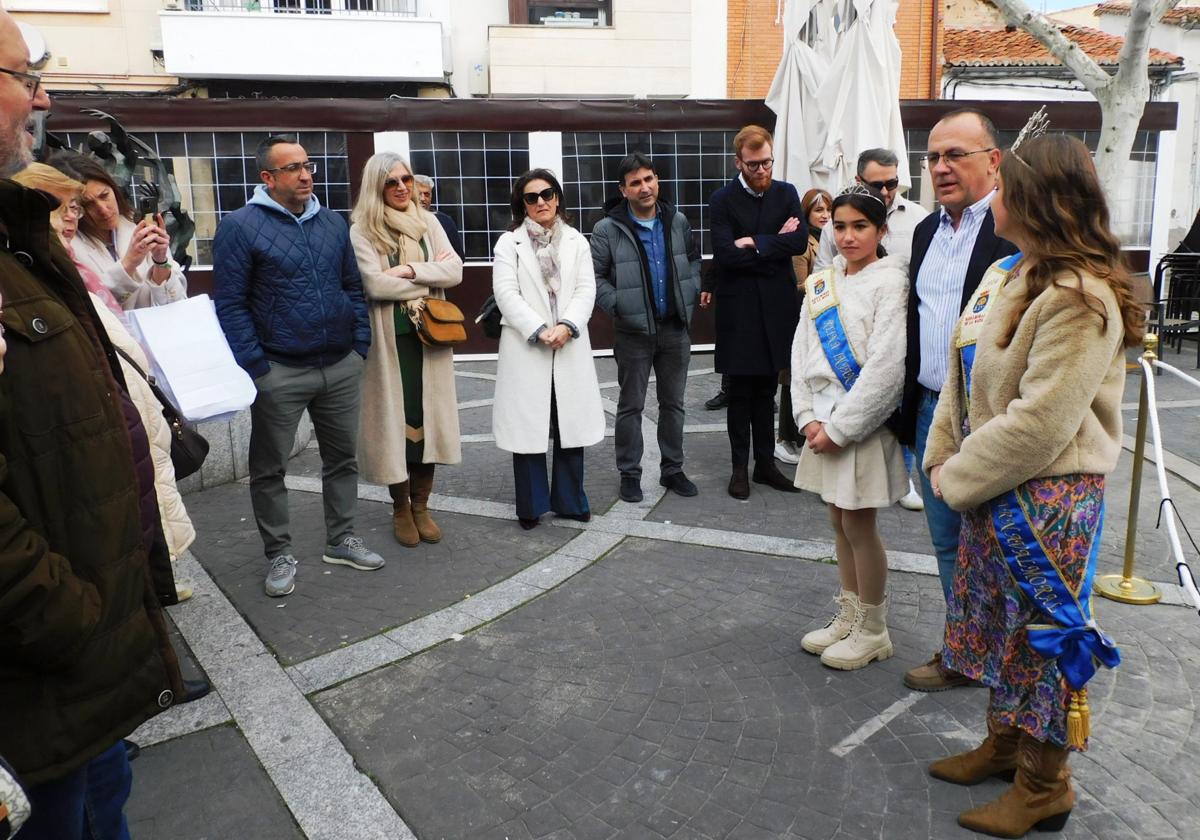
{"type": "Point", "coordinates": [84, 652]}
{"type": "Point", "coordinates": [290, 301]}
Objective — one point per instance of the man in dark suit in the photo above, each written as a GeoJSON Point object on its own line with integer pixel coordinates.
{"type": "Point", "coordinates": [951, 251]}
{"type": "Point", "coordinates": [757, 226]}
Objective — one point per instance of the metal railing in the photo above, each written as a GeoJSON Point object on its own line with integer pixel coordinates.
{"type": "Point", "coordinates": [364, 8]}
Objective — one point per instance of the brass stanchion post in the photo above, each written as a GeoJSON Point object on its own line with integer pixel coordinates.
{"type": "Point", "coordinates": [1125, 587]}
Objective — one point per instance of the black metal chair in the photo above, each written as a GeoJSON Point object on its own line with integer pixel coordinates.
{"type": "Point", "coordinates": [1178, 313]}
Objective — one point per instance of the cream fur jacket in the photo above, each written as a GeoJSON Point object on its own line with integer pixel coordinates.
{"type": "Point", "coordinates": [872, 306]}
{"type": "Point", "coordinates": [1048, 404]}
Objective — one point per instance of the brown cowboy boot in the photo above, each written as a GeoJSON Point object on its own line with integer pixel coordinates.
{"type": "Point", "coordinates": [402, 516]}
{"type": "Point", "coordinates": [1040, 796]}
{"type": "Point", "coordinates": [420, 478]}
{"type": "Point", "coordinates": [996, 756]}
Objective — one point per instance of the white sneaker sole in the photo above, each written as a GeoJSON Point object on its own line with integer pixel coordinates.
{"type": "Point", "coordinates": [290, 590]}
{"type": "Point", "coordinates": [339, 561]}
{"type": "Point", "coordinates": [878, 654]}
{"type": "Point", "coordinates": [911, 502]}
{"type": "Point", "coordinates": [786, 457]}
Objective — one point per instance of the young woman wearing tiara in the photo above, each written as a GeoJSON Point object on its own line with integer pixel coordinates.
{"type": "Point", "coordinates": [1026, 428]}
{"type": "Point", "coordinates": [847, 378]}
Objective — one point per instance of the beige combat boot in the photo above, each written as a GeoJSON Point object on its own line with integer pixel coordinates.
{"type": "Point", "coordinates": [867, 641]}
{"type": "Point", "coordinates": [838, 627]}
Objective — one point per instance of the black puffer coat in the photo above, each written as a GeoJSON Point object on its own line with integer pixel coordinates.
{"type": "Point", "coordinates": [84, 652]}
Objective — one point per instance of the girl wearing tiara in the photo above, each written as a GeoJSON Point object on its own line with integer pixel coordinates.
{"type": "Point", "coordinates": [847, 378]}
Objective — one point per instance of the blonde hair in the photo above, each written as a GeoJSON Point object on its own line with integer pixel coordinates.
{"type": "Point", "coordinates": [370, 211]}
{"type": "Point", "coordinates": [39, 176]}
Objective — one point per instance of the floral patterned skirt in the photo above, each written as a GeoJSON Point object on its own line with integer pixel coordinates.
{"type": "Point", "coordinates": [987, 615]}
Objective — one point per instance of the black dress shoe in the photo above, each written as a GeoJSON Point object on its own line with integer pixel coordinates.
{"type": "Point", "coordinates": [770, 475]}
{"type": "Point", "coordinates": [195, 689]}
{"type": "Point", "coordinates": [528, 524]}
{"type": "Point", "coordinates": [578, 517]}
{"type": "Point", "coordinates": [721, 400]}
{"type": "Point", "coordinates": [680, 483]}
{"type": "Point", "coordinates": [132, 750]}
{"type": "Point", "coordinates": [739, 484]}
{"type": "Point", "coordinates": [631, 489]}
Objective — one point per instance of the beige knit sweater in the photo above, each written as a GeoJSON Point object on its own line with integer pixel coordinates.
{"type": "Point", "coordinates": [1048, 404]}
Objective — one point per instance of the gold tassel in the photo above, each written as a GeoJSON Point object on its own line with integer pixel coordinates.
{"type": "Point", "coordinates": [1079, 723]}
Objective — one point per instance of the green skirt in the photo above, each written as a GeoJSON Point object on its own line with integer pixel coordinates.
{"type": "Point", "coordinates": [411, 354]}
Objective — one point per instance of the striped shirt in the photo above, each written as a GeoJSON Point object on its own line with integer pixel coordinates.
{"type": "Point", "coordinates": [940, 286]}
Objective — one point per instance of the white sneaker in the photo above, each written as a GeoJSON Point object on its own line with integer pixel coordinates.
{"type": "Point", "coordinates": [838, 627]}
{"type": "Point", "coordinates": [912, 500]}
{"type": "Point", "coordinates": [868, 640]}
{"type": "Point", "coordinates": [785, 452]}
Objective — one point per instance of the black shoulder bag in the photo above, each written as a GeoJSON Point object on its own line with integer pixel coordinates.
{"type": "Point", "coordinates": [188, 447]}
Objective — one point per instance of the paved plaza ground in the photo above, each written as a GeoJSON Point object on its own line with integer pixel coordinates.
{"type": "Point", "coordinates": [639, 676]}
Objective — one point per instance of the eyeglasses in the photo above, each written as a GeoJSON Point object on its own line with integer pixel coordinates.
{"type": "Point", "coordinates": [953, 157]}
{"type": "Point", "coordinates": [293, 168]}
{"type": "Point", "coordinates": [532, 198]}
{"type": "Point", "coordinates": [755, 165]}
{"type": "Point", "coordinates": [888, 185]}
{"type": "Point", "coordinates": [392, 183]}
{"type": "Point", "coordinates": [70, 210]}
{"type": "Point", "coordinates": [30, 81]}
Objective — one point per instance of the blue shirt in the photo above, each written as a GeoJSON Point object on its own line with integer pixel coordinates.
{"type": "Point", "coordinates": [650, 231]}
{"type": "Point", "coordinates": [940, 285]}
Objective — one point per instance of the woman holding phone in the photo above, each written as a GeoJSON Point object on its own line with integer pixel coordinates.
{"type": "Point", "coordinates": [133, 258]}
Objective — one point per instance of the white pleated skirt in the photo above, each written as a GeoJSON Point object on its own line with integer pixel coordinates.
{"type": "Point", "coordinates": [867, 474]}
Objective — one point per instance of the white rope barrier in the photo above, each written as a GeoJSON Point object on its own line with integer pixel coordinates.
{"type": "Point", "coordinates": [1182, 569]}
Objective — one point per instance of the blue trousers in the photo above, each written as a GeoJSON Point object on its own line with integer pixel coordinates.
{"type": "Point", "coordinates": [87, 804]}
{"type": "Point", "coordinates": [944, 523]}
{"type": "Point", "coordinates": [564, 491]}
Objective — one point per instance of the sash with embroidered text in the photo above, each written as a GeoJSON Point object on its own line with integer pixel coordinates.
{"type": "Point", "coordinates": [821, 294]}
{"type": "Point", "coordinates": [973, 316]}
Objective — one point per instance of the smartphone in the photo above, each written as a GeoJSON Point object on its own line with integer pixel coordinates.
{"type": "Point", "coordinates": [147, 207]}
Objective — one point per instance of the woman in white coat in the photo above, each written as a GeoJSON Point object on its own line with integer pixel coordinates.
{"type": "Point", "coordinates": [545, 380]}
{"type": "Point", "coordinates": [132, 258]}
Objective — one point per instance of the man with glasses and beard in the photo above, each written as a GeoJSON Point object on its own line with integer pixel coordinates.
{"type": "Point", "coordinates": [290, 300]}
{"type": "Point", "coordinates": [757, 227]}
{"type": "Point", "coordinates": [951, 250]}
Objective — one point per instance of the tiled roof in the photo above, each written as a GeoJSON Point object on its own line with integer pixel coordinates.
{"type": "Point", "coordinates": [1185, 16]}
{"type": "Point", "coordinates": [1017, 48]}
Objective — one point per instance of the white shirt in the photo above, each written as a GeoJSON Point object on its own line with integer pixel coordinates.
{"type": "Point", "coordinates": [902, 220]}
{"type": "Point", "coordinates": [940, 286]}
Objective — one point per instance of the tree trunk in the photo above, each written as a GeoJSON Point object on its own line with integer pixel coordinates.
{"type": "Point", "coordinates": [1121, 108]}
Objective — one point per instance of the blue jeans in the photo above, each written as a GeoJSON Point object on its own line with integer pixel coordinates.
{"type": "Point", "coordinates": [943, 522]}
{"type": "Point", "coordinates": [87, 804]}
{"type": "Point", "coordinates": [564, 492]}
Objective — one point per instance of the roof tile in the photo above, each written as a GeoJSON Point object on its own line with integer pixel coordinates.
{"type": "Point", "coordinates": [995, 47]}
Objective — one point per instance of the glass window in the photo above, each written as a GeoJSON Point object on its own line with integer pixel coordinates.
{"type": "Point", "coordinates": [473, 173]}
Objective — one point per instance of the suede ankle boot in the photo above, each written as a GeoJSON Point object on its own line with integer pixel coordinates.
{"type": "Point", "coordinates": [867, 641]}
{"type": "Point", "coordinates": [402, 518]}
{"type": "Point", "coordinates": [838, 627]}
{"type": "Point", "coordinates": [1040, 797]}
{"type": "Point", "coordinates": [420, 477]}
{"type": "Point", "coordinates": [996, 756]}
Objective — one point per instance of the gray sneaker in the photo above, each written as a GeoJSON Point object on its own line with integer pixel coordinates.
{"type": "Point", "coordinates": [354, 553]}
{"type": "Point", "coordinates": [281, 579]}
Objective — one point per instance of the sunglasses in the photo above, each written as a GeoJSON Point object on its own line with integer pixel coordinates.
{"type": "Point", "coordinates": [392, 183]}
{"type": "Point", "coordinates": [532, 198]}
{"type": "Point", "coordinates": [888, 185]}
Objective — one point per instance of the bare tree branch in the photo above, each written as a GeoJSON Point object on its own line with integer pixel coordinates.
{"type": "Point", "coordinates": [1085, 69]}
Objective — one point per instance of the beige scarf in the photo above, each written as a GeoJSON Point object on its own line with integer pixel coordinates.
{"type": "Point", "coordinates": [409, 229]}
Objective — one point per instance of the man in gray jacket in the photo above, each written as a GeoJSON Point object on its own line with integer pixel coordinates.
{"type": "Point", "coordinates": [648, 279]}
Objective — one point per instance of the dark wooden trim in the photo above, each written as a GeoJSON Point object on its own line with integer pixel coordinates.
{"type": "Point", "coordinates": [518, 12]}
{"type": "Point", "coordinates": [360, 145]}
{"type": "Point", "coordinates": [365, 115]}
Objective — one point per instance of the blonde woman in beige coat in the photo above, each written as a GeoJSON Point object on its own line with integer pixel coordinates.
{"type": "Point", "coordinates": [409, 417]}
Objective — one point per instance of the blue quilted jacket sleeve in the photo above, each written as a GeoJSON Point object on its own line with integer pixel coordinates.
{"type": "Point", "coordinates": [232, 269]}
{"type": "Point", "coordinates": [352, 283]}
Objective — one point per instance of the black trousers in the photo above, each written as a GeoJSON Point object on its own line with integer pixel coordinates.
{"type": "Point", "coordinates": [752, 417]}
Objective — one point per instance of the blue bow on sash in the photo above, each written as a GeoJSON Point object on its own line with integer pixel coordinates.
{"type": "Point", "coordinates": [1074, 639]}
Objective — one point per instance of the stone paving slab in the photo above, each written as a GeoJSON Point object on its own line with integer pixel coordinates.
{"type": "Point", "coordinates": [206, 786]}
{"type": "Point", "coordinates": [336, 605]}
{"type": "Point", "coordinates": [663, 693]}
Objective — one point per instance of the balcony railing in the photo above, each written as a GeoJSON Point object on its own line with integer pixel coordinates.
{"type": "Point", "coordinates": [366, 8]}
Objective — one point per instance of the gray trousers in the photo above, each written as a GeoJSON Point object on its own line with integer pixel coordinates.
{"type": "Point", "coordinates": [667, 353]}
{"type": "Point", "coordinates": [331, 395]}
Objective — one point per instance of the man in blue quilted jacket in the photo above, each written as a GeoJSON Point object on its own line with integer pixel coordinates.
{"type": "Point", "coordinates": [290, 300]}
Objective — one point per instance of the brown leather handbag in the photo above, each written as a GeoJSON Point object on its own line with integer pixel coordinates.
{"type": "Point", "coordinates": [439, 322]}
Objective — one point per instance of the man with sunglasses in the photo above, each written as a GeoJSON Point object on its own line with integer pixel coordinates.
{"type": "Point", "coordinates": [878, 168]}
{"type": "Point", "coordinates": [951, 250]}
{"type": "Point", "coordinates": [290, 300]}
{"type": "Point", "coordinates": [757, 227]}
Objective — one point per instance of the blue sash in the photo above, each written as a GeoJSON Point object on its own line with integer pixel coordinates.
{"type": "Point", "coordinates": [1072, 637]}
{"type": "Point", "coordinates": [972, 319]}
{"type": "Point", "coordinates": [823, 303]}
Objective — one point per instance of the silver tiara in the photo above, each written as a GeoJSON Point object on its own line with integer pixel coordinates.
{"type": "Point", "coordinates": [1035, 127]}
{"type": "Point", "coordinates": [859, 189]}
